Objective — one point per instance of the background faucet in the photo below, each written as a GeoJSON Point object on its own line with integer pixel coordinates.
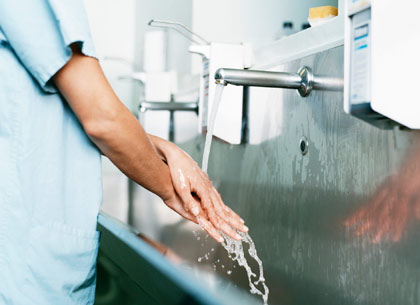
{"type": "Point", "coordinates": [171, 106]}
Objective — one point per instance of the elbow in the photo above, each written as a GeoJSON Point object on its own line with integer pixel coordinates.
{"type": "Point", "coordinates": [95, 129]}
{"type": "Point", "coordinates": [100, 128]}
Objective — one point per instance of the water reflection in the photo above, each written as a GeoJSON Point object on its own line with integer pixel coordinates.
{"type": "Point", "coordinates": [166, 251]}
{"type": "Point", "coordinates": [394, 206]}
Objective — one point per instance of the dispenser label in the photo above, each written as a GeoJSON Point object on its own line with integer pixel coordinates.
{"type": "Point", "coordinates": [360, 60]}
{"type": "Point", "coordinates": [204, 98]}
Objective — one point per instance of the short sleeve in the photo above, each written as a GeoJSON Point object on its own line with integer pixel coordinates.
{"type": "Point", "coordinates": [41, 31]}
{"type": "Point", "coordinates": [2, 37]}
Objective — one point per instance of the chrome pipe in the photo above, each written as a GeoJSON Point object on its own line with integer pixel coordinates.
{"type": "Point", "coordinates": [328, 83]}
{"type": "Point", "coordinates": [169, 106]}
{"type": "Point", "coordinates": [256, 78]}
{"type": "Point", "coordinates": [304, 81]}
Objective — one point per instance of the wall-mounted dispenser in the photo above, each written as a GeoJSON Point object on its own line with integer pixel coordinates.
{"type": "Point", "coordinates": [228, 126]}
{"type": "Point", "coordinates": [215, 55]}
{"type": "Point", "coordinates": [382, 61]}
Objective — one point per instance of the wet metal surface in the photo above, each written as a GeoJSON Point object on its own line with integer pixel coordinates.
{"type": "Point", "coordinates": [295, 204]}
{"type": "Point", "coordinates": [131, 272]}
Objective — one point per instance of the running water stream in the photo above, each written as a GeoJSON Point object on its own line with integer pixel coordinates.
{"type": "Point", "coordinates": [235, 248]}
{"type": "Point", "coordinates": [210, 126]}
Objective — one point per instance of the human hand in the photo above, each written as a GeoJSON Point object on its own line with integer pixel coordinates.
{"type": "Point", "coordinates": [199, 198]}
{"type": "Point", "coordinates": [177, 205]}
{"type": "Point", "coordinates": [389, 212]}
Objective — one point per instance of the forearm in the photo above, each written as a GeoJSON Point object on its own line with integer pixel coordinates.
{"type": "Point", "coordinates": [116, 132]}
{"type": "Point", "coordinates": [111, 126]}
{"type": "Point", "coordinates": [126, 144]}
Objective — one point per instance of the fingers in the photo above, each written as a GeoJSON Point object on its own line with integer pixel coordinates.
{"type": "Point", "coordinates": [221, 225]}
{"type": "Point", "coordinates": [400, 220]}
{"type": "Point", "coordinates": [216, 215]}
{"type": "Point", "coordinates": [226, 209]}
{"type": "Point", "coordinates": [190, 209]}
{"type": "Point", "coordinates": [355, 218]}
{"type": "Point", "coordinates": [178, 207]}
{"type": "Point", "coordinates": [189, 203]}
{"type": "Point", "coordinates": [188, 178]}
{"type": "Point", "coordinates": [213, 224]}
{"type": "Point", "coordinates": [221, 209]}
{"type": "Point", "coordinates": [365, 219]}
{"type": "Point", "coordinates": [383, 219]}
{"type": "Point", "coordinates": [386, 216]}
{"type": "Point", "coordinates": [228, 219]}
{"type": "Point", "coordinates": [180, 210]}
{"type": "Point", "coordinates": [363, 228]}
{"type": "Point", "coordinates": [231, 213]}
{"type": "Point", "coordinates": [183, 190]}
{"type": "Point", "coordinates": [363, 213]}
{"type": "Point", "coordinates": [208, 226]}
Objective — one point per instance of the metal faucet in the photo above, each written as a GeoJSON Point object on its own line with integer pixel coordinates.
{"type": "Point", "coordinates": [304, 80]}
{"type": "Point", "coordinates": [171, 106]}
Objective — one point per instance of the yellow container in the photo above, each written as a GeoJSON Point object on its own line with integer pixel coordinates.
{"type": "Point", "coordinates": [321, 14]}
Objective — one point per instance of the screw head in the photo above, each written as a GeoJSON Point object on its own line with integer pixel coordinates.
{"type": "Point", "coordinates": [303, 145]}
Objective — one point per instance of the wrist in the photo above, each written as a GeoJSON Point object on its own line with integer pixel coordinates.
{"type": "Point", "coordinates": [167, 194]}
{"type": "Point", "coordinates": [162, 146]}
{"type": "Point", "coordinates": [166, 189]}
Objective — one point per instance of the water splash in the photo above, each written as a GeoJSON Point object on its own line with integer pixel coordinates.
{"type": "Point", "coordinates": [235, 248]}
{"type": "Point", "coordinates": [236, 253]}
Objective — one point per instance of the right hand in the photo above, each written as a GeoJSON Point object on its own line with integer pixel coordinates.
{"type": "Point", "coordinates": [394, 205]}
{"type": "Point", "coordinates": [390, 210]}
{"type": "Point", "coordinates": [200, 200]}
{"type": "Point", "coordinates": [176, 204]}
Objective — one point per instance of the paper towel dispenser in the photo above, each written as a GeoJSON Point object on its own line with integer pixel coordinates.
{"type": "Point", "coordinates": [381, 61]}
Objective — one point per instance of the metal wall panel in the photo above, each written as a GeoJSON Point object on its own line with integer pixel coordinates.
{"type": "Point", "coordinates": [295, 204]}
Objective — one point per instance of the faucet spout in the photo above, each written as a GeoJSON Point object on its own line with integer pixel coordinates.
{"type": "Point", "coordinates": [303, 81]}
{"type": "Point", "coordinates": [257, 78]}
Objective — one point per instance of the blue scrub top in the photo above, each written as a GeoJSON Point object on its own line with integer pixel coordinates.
{"type": "Point", "coordinates": [50, 172]}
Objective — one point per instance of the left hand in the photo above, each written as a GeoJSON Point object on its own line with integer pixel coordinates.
{"type": "Point", "coordinates": [189, 180]}
{"type": "Point", "coordinates": [390, 209]}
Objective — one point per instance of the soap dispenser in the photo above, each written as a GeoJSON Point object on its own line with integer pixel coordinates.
{"type": "Point", "coordinates": [228, 125]}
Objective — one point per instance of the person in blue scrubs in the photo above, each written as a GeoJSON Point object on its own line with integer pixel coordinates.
{"type": "Point", "coordinates": [57, 115]}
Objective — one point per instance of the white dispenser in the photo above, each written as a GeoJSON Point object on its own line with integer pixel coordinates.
{"type": "Point", "coordinates": [228, 126]}
{"type": "Point", "coordinates": [381, 61]}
